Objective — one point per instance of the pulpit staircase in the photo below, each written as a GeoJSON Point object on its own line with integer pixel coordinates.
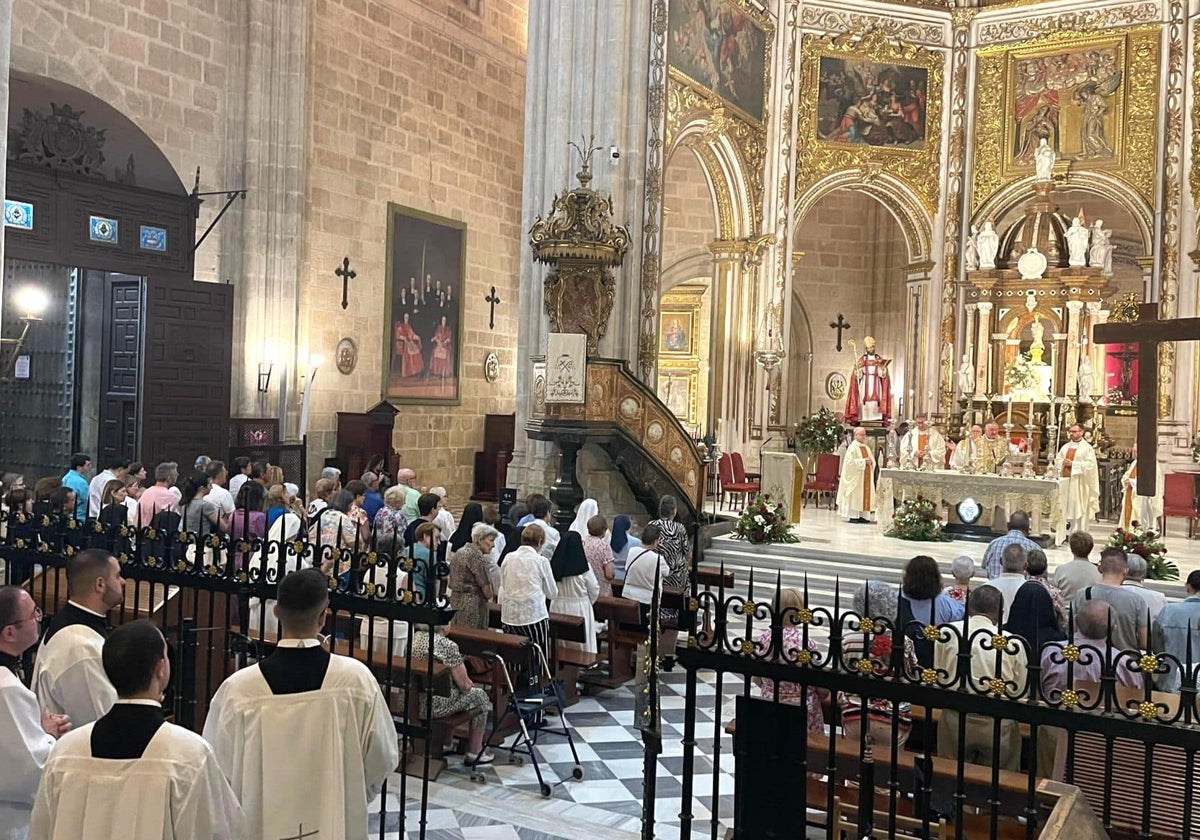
{"type": "Point", "coordinates": [646, 442]}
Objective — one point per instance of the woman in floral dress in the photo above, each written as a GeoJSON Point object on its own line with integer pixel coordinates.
{"type": "Point", "coordinates": [474, 579]}
{"type": "Point", "coordinates": [790, 602]}
{"type": "Point", "coordinates": [464, 695]}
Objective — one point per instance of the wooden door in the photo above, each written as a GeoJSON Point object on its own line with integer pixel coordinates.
{"type": "Point", "coordinates": [122, 352]}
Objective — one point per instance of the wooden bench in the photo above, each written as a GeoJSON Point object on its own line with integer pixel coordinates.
{"type": "Point", "coordinates": [565, 662]}
{"type": "Point", "coordinates": [512, 649]}
{"type": "Point", "coordinates": [619, 643]}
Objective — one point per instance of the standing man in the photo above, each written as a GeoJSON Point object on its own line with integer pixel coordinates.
{"type": "Point", "coordinates": [1176, 624]}
{"type": "Point", "coordinates": [1144, 510]}
{"type": "Point", "coordinates": [68, 674]}
{"type": "Point", "coordinates": [241, 468]}
{"type": "Point", "coordinates": [856, 488]}
{"type": "Point", "coordinates": [1078, 481]}
{"type": "Point", "coordinates": [968, 449]}
{"type": "Point", "coordinates": [272, 728]}
{"type": "Point", "coordinates": [217, 494]}
{"type": "Point", "coordinates": [27, 734]}
{"type": "Point", "coordinates": [920, 443]}
{"type": "Point", "coordinates": [115, 470]}
{"type": "Point", "coordinates": [76, 479]}
{"type": "Point", "coordinates": [407, 478]}
{"type": "Point", "coordinates": [990, 450]}
{"type": "Point", "coordinates": [131, 774]}
{"type": "Point", "coordinates": [543, 518]}
{"type": "Point", "coordinates": [158, 496]}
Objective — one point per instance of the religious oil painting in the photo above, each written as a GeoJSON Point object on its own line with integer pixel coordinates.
{"type": "Point", "coordinates": [677, 332]}
{"type": "Point", "coordinates": [721, 49]}
{"type": "Point", "coordinates": [423, 331]}
{"type": "Point", "coordinates": [677, 390]}
{"type": "Point", "coordinates": [872, 103]}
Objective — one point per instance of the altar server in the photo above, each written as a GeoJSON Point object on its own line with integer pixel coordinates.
{"type": "Point", "coordinates": [1144, 510]}
{"type": "Point", "coordinates": [306, 738]}
{"type": "Point", "coordinates": [1078, 481]}
{"type": "Point", "coordinates": [130, 774]}
{"type": "Point", "coordinates": [68, 675]}
{"type": "Point", "coordinates": [26, 732]}
{"type": "Point", "coordinates": [921, 442]}
{"type": "Point", "coordinates": [968, 449]}
{"type": "Point", "coordinates": [856, 488]}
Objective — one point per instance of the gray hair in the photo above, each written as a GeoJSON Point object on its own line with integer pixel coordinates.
{"type": "Point", "coordinates": [1092, 619]}
{"type": "Point", "coordinates": [342, 500]}
{"type": "Point", "coordinates": [1014, 558]}
{"type": "Point", "coordinates": [332, 473]}
{"type": "Point", "coordinates": [481, 531]}
{"type": "Point", "coordinates": [876, 599]}
{"type": "Point", "coordinates": [963, 568]}
{"type": "Point", "coordinates": [166, 471]}
{"type": "Point", "coordinates": [667, 507]}
{"type": "Point", "coordinates": [394, 496]}
{"type": "Point", "coordinates": [440, 492]}
{"type": "Point", "coordinates": [1137, 567]}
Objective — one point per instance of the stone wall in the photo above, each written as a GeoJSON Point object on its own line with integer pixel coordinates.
{"type": "Point", "coordinates": [689, 216]}
{"type": "Point", "coordinates": [854, 253]}
{"type": "Point", "coordinates": [420, 104]}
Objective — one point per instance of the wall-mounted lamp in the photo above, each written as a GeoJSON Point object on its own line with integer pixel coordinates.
{"type": "Point", "coordinates": [264, 376]}
{"type": "Point", "coordinates": [314, 362]}
{"type": "Point", "coordinates": [31, 302]}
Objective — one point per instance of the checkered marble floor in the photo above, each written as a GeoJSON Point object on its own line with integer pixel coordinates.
{"type": "Point", "coordinates": [610, 754]}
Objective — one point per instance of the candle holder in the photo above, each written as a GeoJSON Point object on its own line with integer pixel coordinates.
{"type": "Point", "coordinates": [1028, 471]}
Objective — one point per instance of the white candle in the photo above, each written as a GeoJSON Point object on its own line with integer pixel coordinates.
{"type": "Point", "coordinates": [1030, 420]}
{"type": "Point", "coordinates": [1008, 399]}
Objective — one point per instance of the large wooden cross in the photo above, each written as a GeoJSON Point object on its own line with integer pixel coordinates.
{"type": "Point", "coordinates": [1147, 332]}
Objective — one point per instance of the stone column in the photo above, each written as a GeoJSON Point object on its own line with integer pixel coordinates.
{"type": "Point", "coordinates": [916, 379]}
{"type": "Point", "coordinates": [1074, 317]}
{"type": "Point", "coordinates": [1097, 350]}
{"type": "Point", "coordinates": [261, 237]}
{"type": "Point", "coordinates": [733, 331]}
{"type": "Point", "coordinates": [983, 357]}
{"type": "Point", "coordinates": [586, 74]}
{"type": "Point", "coordinates": [5, 61]}
{"type": "Point", "coordinates": [968, 345]}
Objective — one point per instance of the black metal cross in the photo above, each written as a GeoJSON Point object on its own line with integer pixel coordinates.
{"type": "Point", "coordinates": [347, 274]}
{"type": "Point", "coordinates": [839, 325]}
{"type": "Point", "coordinates": [301, 834]}
{"type": "Point", "coordinates": [493, 299]}
{"type": "Point", "coordinates": [1147, 332]}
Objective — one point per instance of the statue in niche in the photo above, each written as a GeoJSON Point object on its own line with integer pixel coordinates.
{"type": "Point", "coordinates": [987, 243]}
{"type": "Point", "coordinates": [1086, 381]}
{"type": "Point", "coordinates": [1100, 255]}
{"type": "Point", "coordinates": [1077, 243]}
{"type": "Point", "coordinates": [1037, 347]}
{"type": "Point", "coordinates": [966, 376]}
{"type": "Point", "coordinates": [971, 250]}
{"type": "Point", "coordinates": [1043, 161]}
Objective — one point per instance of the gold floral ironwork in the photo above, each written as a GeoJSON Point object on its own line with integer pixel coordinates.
{"type": "Point", "coordinates": [1147, 710]}
{"type": "Point", "coordinates": [995, 687]}
{"type": "Point", "coordinates": [1070, 653]}
{"type": "Point", "coordinates": [1125, 310]}
{"type": "Point", "coordinates": [928, 676]}
{"type": "Point", "coordinates": [1070, 698]}
{"type": "Point", "coordinates": [804, 657]}
{"type": "Point", "coordinates": [931, 633]}
{"type": "Point", "coordinates": [999, 642]}
{"type": "Point", "coordinates": [864, 666]}
{"type": "Point", "coordinates": [748, 608]}
{"type": "Point", "coordinates": [1148, 663]}
{"type": "Point", "coordinates": [804, 616]}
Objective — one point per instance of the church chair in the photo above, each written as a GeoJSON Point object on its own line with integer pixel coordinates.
{"type": "Point", "coordinates": [825, 479]}
{"type": "Point", "coordinates": [740, 482]}
{"type": "Point", "coordinates": [1179, 499]}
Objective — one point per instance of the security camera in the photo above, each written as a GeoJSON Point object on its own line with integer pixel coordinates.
{"type": "Point", "coordinates": [614, 155]}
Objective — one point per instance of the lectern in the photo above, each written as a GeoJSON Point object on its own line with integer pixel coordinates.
{"type": "Point", "coordinates": [783, 480]}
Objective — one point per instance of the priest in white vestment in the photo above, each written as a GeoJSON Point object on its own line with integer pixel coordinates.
{"type": "Point", "coordinates": [27, 734]}
{"type": "Point", "coordinates": [921, 443]}
{"type": "Point", "coordinates": [131, 775]}
{"type": "Point", "coordinates": [1078, 481]}
{"type": "Point", "coordinates": [305, 738]}
{"type": "Point", "coordinates": [856, 487]}
{"type": "Point", "coordinates": [68, 675]}
{"type": "Point", "coordinates": [967, 450]}
{"type": "Point", "coordinates": [1144, 510]}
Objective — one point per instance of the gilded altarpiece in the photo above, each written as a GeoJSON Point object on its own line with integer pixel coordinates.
{"type": "Point", "coordinates": [1094, 98]}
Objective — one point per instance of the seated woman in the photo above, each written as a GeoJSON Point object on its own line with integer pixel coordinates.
{"type": "Point", "coordinates": [1033, 618]}
{"type": "Point", "coordinates": [113, 511]}
{"type": "Point", "coordinates": [474, 578]}
{"type": "Point", "coordinates": [788, 605]}
{"type": "Point", "coordinates": [876, 600]}
{"type": "Point", "coordinates": [923, 601]}
{"type": "Point", "coordinates": [622, 543]}
{"type": "Point", "coordinates": [464, 695]}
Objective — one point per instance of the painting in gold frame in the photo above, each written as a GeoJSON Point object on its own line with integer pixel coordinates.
{"type": "Point", "coordinates": [677, 332]}
{"type": "Point", "coordinates": [721, 48]}
{"type": "Point", "coordinates": [677, 389]}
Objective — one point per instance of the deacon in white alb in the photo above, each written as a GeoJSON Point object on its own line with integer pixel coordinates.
{"type": "Point", "coordinates": [856, 487]}
{"type": "Point", "coordinates": [1078, 481]}
{"type": "Point", "coordinates": [923, 441]}
{"type": "Point", "coordinates": [26, 732]}
{"type": "Point", "coordinates": [1144, 510]}
{"type": "Point", "coordinates": [968, 449]}
{"type": "Point", "coordinates": [306, 738]}
{"type": "Point", "coordinates": [132, 775]}
{"type": "Point", "coordinates": [68, 675]}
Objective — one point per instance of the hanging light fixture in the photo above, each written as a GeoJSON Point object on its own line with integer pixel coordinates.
{"type": "Point", "coordinates": [769, 352]}
{"type": "Point", "coordinates": [31, 302]}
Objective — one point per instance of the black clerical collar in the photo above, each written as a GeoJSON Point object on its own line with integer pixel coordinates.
{"type": "Point", "coordinates": [293, 670]}
{"type": "Point", "coordinates": [72, 614]}
{"type": "Point", "coordinates": [127, 729]}
{"type": "Point", "coordinates": [12, 663]}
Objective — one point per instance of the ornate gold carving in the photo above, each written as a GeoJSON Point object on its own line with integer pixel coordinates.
{"type": "Point", "coordinates": [954, 179]}
{"type": "Point", "coordinates": [832, 20]}
{"type": "Point", "coordinates": [655, 164]}
{"type": "Point", "coordinates": [1135, 161]}
{"type": "Point", "coordinates": [1125, 310]}
{"type": "Point", "coordinates": [785, 200]}
{"type": "Point", "coordinates": [1083, 20]}
{"type": "Point", "coordinates": [1172, 203]}
{"type": "Point", "coordinates": [1194, 176]}
{"type": "Point", "coordinates": [918, 169]}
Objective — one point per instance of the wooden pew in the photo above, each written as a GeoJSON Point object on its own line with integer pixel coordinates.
{"type": "Point", "coordinates": [619, 643]}
{"type": "Point", "coordinates": [565, 662]}
{"type": "Point", "coordinates": [512, 649]}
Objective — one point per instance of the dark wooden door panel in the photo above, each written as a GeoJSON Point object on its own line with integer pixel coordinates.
{"type": "Point", "coordinates": [122, 347]}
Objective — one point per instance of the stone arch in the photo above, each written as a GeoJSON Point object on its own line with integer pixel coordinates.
{"type": "Point", "coordinates": [896, 196]}
{"type": "Point", "coordinates": [692, 266]}
{"type": "Point", "coordinates": [800, 344]}
{"type": "Point", "coordinates": [725, 170]}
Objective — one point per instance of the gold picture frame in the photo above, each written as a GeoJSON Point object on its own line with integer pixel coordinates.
{"type": "Point", "coordinates": [677, 332]}
{"type": "Point", "coordinates": [678, 388]}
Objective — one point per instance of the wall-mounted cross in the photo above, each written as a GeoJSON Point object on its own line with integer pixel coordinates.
{"type": "Point", "coordinates": [492, 299]}
{"type": "Point", "coordinates": [347, 274]}
{"type": "Point", "coordinates": [839, 325]}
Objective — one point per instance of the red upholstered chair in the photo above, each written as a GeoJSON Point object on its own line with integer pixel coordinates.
{"type": "Point", "coordinates": [1179, 499]}
{"type": "Point", "coordinates": [741, 476]}
{"type": "Point", "coordinates": [825, 479]}
{"type": "Point", "coordinates": [736, 483]}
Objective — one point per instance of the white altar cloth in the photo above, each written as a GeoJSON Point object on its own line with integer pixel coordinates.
{"type": "Point", "coordinates": [1038, 496]}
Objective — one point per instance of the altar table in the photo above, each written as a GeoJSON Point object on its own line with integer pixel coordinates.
{"type": "Point", "coordinates": [1037, 496]}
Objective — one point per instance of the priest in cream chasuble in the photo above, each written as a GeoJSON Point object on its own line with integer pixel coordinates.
{"type": "Point", "coordinates": [856, 487]}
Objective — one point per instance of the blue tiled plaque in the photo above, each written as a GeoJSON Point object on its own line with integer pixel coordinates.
{"type": "Point", "coordinates": [18, 214]}
{"type": "Point", "coordinates": [153, 238]}
{"type": "Point", "coordinates": [103, 229]}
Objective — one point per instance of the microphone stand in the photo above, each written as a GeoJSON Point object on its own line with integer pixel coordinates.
{"type": "Point", "coordinates": [761, 447]}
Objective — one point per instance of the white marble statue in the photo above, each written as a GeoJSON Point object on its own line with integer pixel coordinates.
{"type": "Point", "coordinates": [1077, 243]}
{"type": "Point", "coordinates": [966, 376]}
{"type": "Point", "coordinates": [987, 243]}
{"type": "Point", "coordinates": [1086, 380]}
{"type": "Point", "coordinates": [1043, 161]}
{"type": "Point", "coordinates": [971, 250]}
{"type": "Point", "coordinates": [1100, 255]}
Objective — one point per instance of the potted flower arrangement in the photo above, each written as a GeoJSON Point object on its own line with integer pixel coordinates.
{"type": "Point", "coordinates": [1196, 448]}
{"type": "Point", "coordinates": [816, 435]}
{"type": "Point", "coordinates": [1020, 376]}
{"type": "Point", "coordinates": [764, 522]}
{"type": "Point", "coordinates": [917, 519]}
{"type": "Point", "coordinates": [1147, 544]}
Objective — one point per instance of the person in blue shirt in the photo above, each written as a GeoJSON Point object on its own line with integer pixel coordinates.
{"type": "Point", "coordinates": [77, 479]}
{"type": "Point", "coordinates": [372, 500]}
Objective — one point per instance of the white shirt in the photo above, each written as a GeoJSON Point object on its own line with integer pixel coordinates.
{"type": "Point", "coordinates": [222, 498]}
{"type": "Point", "coordinates": [1155, 601]}
{"type": "Point", "coordinates": [445, 521]}
{"type": "Point", "coordinates": [1008, 583]}
{"type": "Point", "coordinates": [96, 491]}
{"type": "Point", "coordinates": [24, 748]}
{"type": "Point", "coordinates": [639, 575]}
{"type": "Point", "coordinates": [526, 583]}
{"type": "Point", "coordinates": [552, 537]}
{"type": "Point", "coordinates": [235, 484]}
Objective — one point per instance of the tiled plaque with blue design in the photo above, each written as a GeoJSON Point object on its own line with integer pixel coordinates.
{"type": "Point", "coordinates": [103, 229]}
{"type": "Point", "coordinates": [18, 214]}
{"type": "Point", "coordinates": [153, 238]}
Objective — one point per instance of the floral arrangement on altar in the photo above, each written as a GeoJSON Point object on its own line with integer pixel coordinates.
{"type": "Point", "coordinates": [820, 433]}
{"type": "Point", "coordinates": [917, 519]}
{"type": "Point", "coordinates": [1196, 448]}
{"type": "Point", "coordinates": [764, 522]}
{"type": "Point", "coordinates": [1020, 375]}
{"type": "Point", "coordinates": [1147, 544]}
